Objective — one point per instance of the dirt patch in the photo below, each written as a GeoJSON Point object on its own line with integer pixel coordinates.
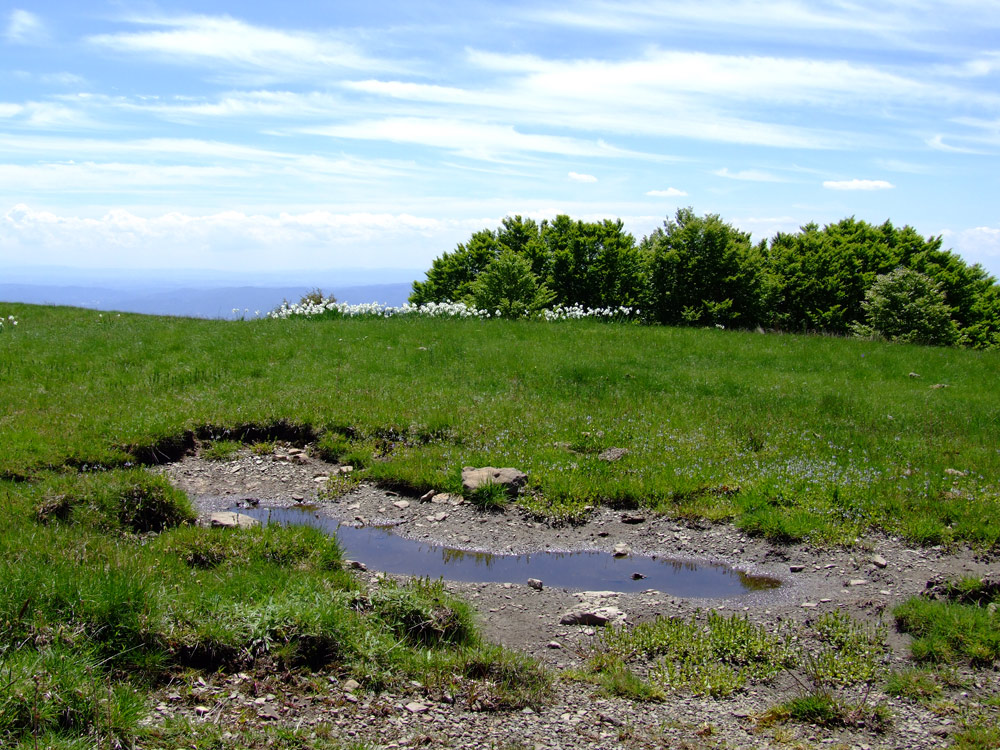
{"type": "Point", "coordinates": [866, 581]}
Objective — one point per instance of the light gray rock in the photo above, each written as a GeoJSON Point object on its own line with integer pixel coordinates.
{"type": "Point", "coordinates": [622, 550]}
{"type": "Point", "coordinates": [612, 454]}
{"type": "Point", "coordinates": [474, 478]}
{"type": "Point", "coordinates": [229, 520]}
{"type": "Point", "coordinates": [535, 583]}
{"type": "Point", "coordinates": [879, 562]}
{"type": "Point", "coordinates": [588, 615]}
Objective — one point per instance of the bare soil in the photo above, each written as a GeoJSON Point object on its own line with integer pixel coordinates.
{"type": "Point", "coordinates": [524, 618]}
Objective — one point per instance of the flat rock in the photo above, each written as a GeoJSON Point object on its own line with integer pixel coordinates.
{"type": "Point", "coordinates": [474, 478]}
{"type": "Point", "coordinates": [879, 562]}
{"type": "Point", "coordinates": [415, 708]}
{"type": "Point", "coordinates": [230, 520]}
{"type": "Point", "coordinates": [592, 616]}
{"type": "Point", "coordinates": [535, 583]}
{"type": "Point", "coordinates": [621, 550]}
{"type": "Point", "coordinates": [402, 504]}
{"type": "Point", "coordinates": [612, 454]}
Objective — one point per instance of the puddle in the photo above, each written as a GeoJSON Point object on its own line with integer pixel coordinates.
{"type": "Point", "coordinates": [380, 549]}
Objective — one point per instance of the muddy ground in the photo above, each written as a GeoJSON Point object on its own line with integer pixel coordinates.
{"type": "Point", "coordinates": [867, 581]}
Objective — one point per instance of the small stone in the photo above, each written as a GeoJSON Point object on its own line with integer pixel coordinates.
{"type": "Point", "coordinates": [914, 374]}
{"type": "Point", "coordinates": [350, 686]}
{"type": "Point", "coordinates": [201, 710]}
{"type": "Point", "coordinates": [633, 518]}
{"type": "Point", "coordinates": [415, 708]}
{"type": "Point", "coordinates": [955, 473]}
{"type": "Point", "coordinates": [232, 521]}
{"type": "Point", "coordinates": [857, 582]}
{"type": "Point", "coordinates": [437, 517]}
{"type": "Point", "coordinates": [809, 605]}
{"type": "Point", "coordinates": [298, 498]}
{"type": "Point", "coordinates": [622, 550]}
{"type": "Point", "coordinates": [346, 469]}
{"type": "Point", "coordinates": [427, 496]}
{"type": "Point", "coordinates": [355, 565]}
{"type": "Point", "coordinates": [474, 478]}
{"type": "Point", "coordinates": [612, 454]}
{"type": "Point", "coordinates": [825, 600]}
{"type": "Point", "coordinates": [535, 583]}
{"type": "Point", "coordinates": [879, 562]}
{"type": "Point", "coordinates": [638, 576]}
{"type": "Point", "coordinates": [592, 616]}
{"type": "Point", "coordinates": [796, 568]}
{"type": "Point", "coordinates": [553, 645]}
{"type": "Point", "coordinates": [402, 504]}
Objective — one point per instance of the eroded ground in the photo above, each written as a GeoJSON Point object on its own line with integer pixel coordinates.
{"type": "Point", "coordinates": [866, 581]}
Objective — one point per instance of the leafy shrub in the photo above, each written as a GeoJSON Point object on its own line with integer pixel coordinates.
{"type": "Point", "coordinates": [508, 286]}
{"type": "Point", "coordinates": [907, 306]}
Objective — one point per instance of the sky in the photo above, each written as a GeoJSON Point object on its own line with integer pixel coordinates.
{"type": "Point", "coordinates": [266, 137]}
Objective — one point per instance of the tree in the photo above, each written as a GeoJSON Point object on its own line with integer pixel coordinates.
{"type": "Point", "coordinates": [509, 286]}
{"type": "Point", "coordinates": [905, 305]}
{"type": "Point", "coordinates": [702, 271]}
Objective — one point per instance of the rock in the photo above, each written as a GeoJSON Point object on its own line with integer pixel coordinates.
{"type": "Point", "coordinates": [585, 615]}
{"type": "Point", "coordinates": [402, 504]}
{"type": "Point", "coordinates": [415, 708]}
{"type": "Point", "coordinates": [612, 454]}
{"type": "Point", "coordinates": [553, 645]}
{"type": "Point", "coordinates": [955, 473]}
{"type": "Point", "coordinates": [345, 469]}
{"type": "Point", "coordinates": [320, 478]}
{"type": "Point", "coordinates": [809, 605]}
{"type": "Point", "coordinates": [437, 517]}
{"type": "Point", "coordinates": [914, 374]}
{"type": "Point", "coordinates": [512, 479]}
{"type": "Point", "coordinates": [633, 518]}
{"type": "Point", "coordinates": [350, 686]}
{"type": "Point", "coordinates": [637, 576]}
{"type": "Point", "coordinates": [232, 521]}
{"type": "Point", "coordinates": [940, 385]}
{"type": "Point", "coordinates": [298, 498]}
{"type": "Point", "coordinates": [201, 710]}
{"type": "Point", "coordinates": [355, 565]}
{"type": "Point", "coordinates": [427, 496]}
{"type": "Point", "coordinates": [535, 583]}
{"type": "Point", "coordinates": [857, 582]}
{"type": "Point", "coordinates": [621, 550]}
{"type": "Point", "coordinates": [796, 568]}
{"type": "Point", "coordinates": [879, 562]}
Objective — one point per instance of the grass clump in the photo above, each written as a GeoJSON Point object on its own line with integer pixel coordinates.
{"type": "Point", "coordinates": [489, 496]}
{"type": "Point", "coordinates": [423, 613]}
{"type": "Point", "coordinates": [914, 684]}
{"type": "Point", "coordinates": [949, 630]}
{"type": "Point", "coordinates": [127, 500]}
{"type": "Point", "coordinates": [717, 658]}
{"type": "Point", "coordinates": [221, 450]}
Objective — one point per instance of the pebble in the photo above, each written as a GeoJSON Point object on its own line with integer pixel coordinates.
{"type": "Point", "coordinates": [879, 561]}
{"type": "Point", "coordinates": [535, 583]}
{"type": "Point", "coordinates": [796, 568]}
{"type": "Point", "coordinates": [402, 504]}
{"type": "Point", "coordinates": [415, 708]}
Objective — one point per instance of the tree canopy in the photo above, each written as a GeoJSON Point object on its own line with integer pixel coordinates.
{"type": "Point", "coordinates": [701, 270]}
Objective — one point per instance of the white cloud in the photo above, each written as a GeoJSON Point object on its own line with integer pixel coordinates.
{"type": "Point", "coordinates": [748, 175]}
{"type": "Point", "coordinates": [857, 185]}
{"type": "Point", "coordinates": [24, 27]}
{"type": "Point", "coordinates": [577, 177]}
{"type": "Point", "coordinates": [473, 139]}
{"type": "Point", "coordinates": [318, 239]}
{"type": "Point", "coordinates": [977, 245]}
{"type": "Point", "coordinates": [256, 52]}
{"type": "Point", "coordinates": [670, 192]}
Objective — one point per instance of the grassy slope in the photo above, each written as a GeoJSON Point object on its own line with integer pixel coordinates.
{"type": "Point", "coordinates": [822, 436]}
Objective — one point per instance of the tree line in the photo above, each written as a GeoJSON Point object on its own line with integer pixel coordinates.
{"type": "Point", "coordinates": [850, 277]}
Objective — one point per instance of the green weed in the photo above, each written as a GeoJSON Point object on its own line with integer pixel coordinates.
{"type": "Point", "coordinates": [221, 450]}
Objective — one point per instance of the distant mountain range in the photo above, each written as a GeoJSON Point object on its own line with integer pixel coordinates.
{"type": "Point", "coordinates": [191, 295]}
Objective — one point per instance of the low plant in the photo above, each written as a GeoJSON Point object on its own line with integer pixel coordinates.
{"type": "Point", "coordinates": [423, 613]}
{"type": "Point", "coordinates": [914, 684]}
{"type": "Point", "coordinates": [715, 658]}
{"type": "Point", "coordinates": [221, 450]}
{"type": "Point", "coordinates": [489, 496]}
{"type": "Point", "coordinates": [946, 631]}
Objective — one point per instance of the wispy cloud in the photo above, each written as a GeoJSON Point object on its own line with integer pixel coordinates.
{"type": "Point", "coordinates": [24, 27]}
{"type": "Point", "coordinates": [475, 139]}
{"type": "Point", "coordinates": [857, 185]}
{"type": "Point", "coordinates": [239, 50]}
{"type": "Point", "coordinates": [670, 192]}
{"type": "Point", "coordinates": [749, 175]}
{"type": "Point", "coordinates": [578, 177]}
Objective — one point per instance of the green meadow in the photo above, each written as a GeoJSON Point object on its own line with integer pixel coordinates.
{"type": "Point", "coordinates": [793, 437]}
{"type": "Point", "coordinates": [107, 591]}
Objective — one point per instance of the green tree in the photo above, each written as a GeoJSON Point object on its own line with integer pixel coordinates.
{"type": "Point", "coordinates": [702, 271]}
{"type": "Point", "coordinates": [509, 286]}
{"type": "Point", "coordinates": [905, 305]}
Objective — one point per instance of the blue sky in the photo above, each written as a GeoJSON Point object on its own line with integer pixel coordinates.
{"type": "Point", "coordinates": [276, 136]}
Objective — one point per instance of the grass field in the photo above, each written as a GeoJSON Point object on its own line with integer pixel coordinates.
{"type": "Point", "coordinates": [107, 592]}
{"type": "Point", "coordinates": [790, 436]}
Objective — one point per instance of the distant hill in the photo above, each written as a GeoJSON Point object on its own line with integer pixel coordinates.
{"type": "Point", "coordinates": [191, 301]}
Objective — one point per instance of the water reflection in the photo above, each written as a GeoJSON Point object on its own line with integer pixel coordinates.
{"type": "Point", "coordinates": [380, 549]}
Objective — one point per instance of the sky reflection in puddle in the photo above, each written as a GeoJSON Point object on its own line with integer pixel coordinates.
{"type": "Point", "coordinates": [380, 549]}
